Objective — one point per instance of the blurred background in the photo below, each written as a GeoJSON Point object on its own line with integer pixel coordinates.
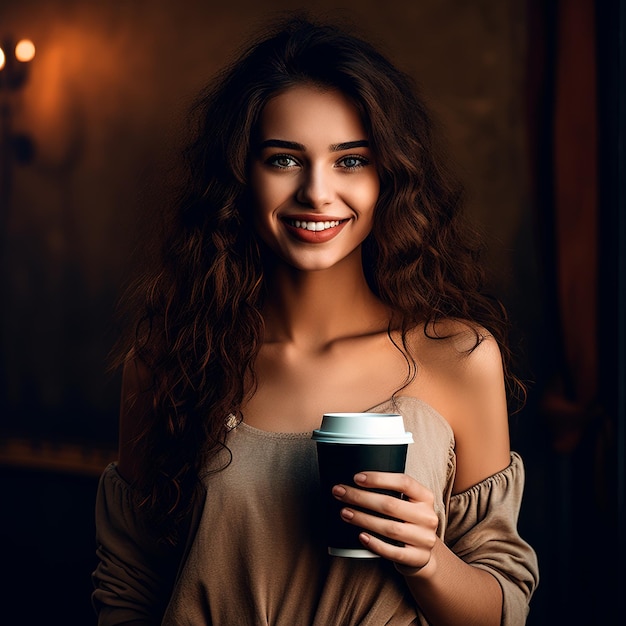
{"type": "Point", "coordinates": [530, 96]}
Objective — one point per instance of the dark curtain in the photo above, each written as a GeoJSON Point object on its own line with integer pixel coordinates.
{"type": "Point", "coordinates": [563, 110]}
{"type": "Point", "coordinates": [573, 94]}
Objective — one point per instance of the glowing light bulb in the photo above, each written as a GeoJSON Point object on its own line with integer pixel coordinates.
{"type": "Point", "coordinates": [2, 58]}
{"type": "Point", "coordinates": [25, 50]}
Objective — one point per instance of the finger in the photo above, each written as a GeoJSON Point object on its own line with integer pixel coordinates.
{"type": "Point", "coordinates": [382, 504]}
{"type": "Point", "coordinates": [407, 510]}
{"type": "Point", "coordinates": [390, 481]}
{"type": "Point", "coordinates": [410, 557]}
{"type": "Point", "coordinates": [421, 534]}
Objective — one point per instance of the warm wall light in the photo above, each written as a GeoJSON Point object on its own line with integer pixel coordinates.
{"type": "Point", "coordinates": [14, 68]}
{"type": "Point", "coordinates": [25, 50]}
{"type": "Point", "coordinates": [14, 62]}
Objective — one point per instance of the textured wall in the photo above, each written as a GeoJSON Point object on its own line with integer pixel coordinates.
{"type": "Point", "coordinates": [104, 104]}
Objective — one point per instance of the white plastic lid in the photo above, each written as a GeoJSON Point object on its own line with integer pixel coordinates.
{"type": "Point", "coordinates": [362, 428]}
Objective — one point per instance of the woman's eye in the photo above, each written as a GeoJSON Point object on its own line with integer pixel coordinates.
{"type": "Point", "coordinates": [282, 161]}
{"type": "Point", "coordinates": [352, 162]}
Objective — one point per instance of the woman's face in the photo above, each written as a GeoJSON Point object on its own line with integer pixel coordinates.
{"type": "Point", "coordinates": [313, 178]}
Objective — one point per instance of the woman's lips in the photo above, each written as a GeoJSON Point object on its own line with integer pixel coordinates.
{"type": "Point", "coordinates": [314, 231]}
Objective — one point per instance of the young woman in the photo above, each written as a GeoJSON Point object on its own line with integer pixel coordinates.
{"type": "Point", "coordinates": [317, 262]}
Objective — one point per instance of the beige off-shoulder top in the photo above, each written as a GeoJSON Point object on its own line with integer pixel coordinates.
{"type": "Point", "coordinates": [255, 554]}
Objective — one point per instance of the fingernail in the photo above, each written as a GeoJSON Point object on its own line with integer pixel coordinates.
{"type": "Point", "coordinates": [364, 538]}
{"type": "Point", "coordinates": [347, 514]}
{"type": "Point", "coordinates": [339, 491]}
{"type": "Point", "coordinates": [360, 478]}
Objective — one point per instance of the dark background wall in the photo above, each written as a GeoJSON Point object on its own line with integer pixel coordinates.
{"type": "Point", "coordinates": [104, 105]}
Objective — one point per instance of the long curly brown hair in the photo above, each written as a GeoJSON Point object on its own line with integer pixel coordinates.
{"type": "Point", "coordinates": [198, 326]}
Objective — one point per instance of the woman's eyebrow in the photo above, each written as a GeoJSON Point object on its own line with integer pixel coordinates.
{"type": "Point", "coordinates": [348, 145]}
{"type": "Point", "coordinates": [292, 145]}
{"type": "Point", "coordinates": [280, 143]}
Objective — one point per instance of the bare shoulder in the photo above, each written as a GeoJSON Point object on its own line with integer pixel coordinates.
{"type": "Point", "coordinates": [462, 377]}
{"type": "Point", "coordinates": [136, 407]}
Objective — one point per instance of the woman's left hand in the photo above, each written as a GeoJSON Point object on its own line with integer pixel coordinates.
{"type": "Point", "coordinates": [414, 522]}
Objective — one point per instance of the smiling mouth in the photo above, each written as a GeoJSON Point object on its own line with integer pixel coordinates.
{"type": "Point", "coordinates": [314, 226]}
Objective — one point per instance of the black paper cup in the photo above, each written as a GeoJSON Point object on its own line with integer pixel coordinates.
{"type": "Point", "coordinates": [349, 443]}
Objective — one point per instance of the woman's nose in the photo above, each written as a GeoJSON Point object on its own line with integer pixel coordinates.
{"type": "Point", "coordinates": [316, 188]}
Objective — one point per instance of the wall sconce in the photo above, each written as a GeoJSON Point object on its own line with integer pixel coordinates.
{"type": "Point", "coordinates": [14, 61]}
{"type": "Point", "coordinates": [14, 147]}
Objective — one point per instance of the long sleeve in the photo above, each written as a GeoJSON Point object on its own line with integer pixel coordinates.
{"type": "Point", "coordinates": [482, 530]}
{"type": "Point", "coordinates": [135, 573]}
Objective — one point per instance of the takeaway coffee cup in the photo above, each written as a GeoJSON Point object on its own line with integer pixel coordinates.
{"type": "Point", "coordinates": [349, 443]}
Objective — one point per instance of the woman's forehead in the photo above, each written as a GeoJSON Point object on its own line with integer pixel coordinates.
{"type": "Point", "coordinates": [310, 115]}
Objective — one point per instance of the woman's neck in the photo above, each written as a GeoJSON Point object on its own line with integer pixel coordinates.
{"type": "Point", "coordinates": [314, 309]}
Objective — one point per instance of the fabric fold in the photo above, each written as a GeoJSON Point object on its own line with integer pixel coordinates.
{"type": "Point", "coordinates": [482, 530]}
{"type": "Point", "coordinates": [135, 573]}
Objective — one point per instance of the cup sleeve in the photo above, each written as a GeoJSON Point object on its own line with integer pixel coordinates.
{"type": "Point", "coordinates": [482, 530]}
{"type": "Point", "coordinates": [135, 572]}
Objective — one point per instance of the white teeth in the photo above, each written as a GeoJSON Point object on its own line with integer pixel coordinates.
{"type": "Point", "coordinates": [314, 226]}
